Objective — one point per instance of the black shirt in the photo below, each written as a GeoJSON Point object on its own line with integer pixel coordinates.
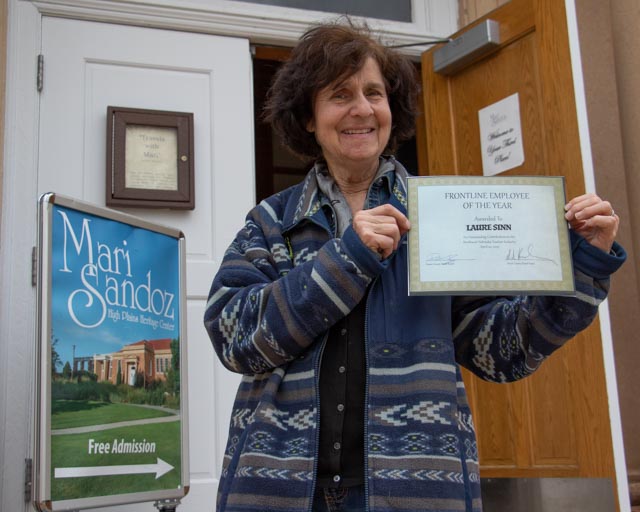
{"type": "Point", "coordinates": [342, 390]}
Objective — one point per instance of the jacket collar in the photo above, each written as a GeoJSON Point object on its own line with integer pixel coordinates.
{"type": "Point", "coordinates": [308, 200]}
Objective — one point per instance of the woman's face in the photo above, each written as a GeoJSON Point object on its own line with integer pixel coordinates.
{"type": "Point", "coordinates": [352, 119]}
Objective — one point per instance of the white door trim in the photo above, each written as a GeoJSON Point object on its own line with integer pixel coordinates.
{"type": "Point", "coordinates": [605, 321]}
{"type": "Point", "coordinates": [17, 307]}
{"type": "Point", "coordinates": [258, 23]}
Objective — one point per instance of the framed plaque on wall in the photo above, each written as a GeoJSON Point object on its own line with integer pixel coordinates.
{"type": "Point", "coordinates": [149, 158]}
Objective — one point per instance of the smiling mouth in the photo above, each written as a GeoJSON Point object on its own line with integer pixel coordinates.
{"type": "Point", "coordinates": [360, 131]}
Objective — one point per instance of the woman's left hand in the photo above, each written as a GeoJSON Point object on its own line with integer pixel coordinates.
{"type": "Point", "coordinates": [593, 219]}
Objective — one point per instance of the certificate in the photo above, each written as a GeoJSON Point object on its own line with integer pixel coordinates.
{"type": "Point", "coordinates": [475, 235]}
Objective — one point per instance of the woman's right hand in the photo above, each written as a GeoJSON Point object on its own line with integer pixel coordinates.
{"type": "Point", "coordinates": [381, 228]}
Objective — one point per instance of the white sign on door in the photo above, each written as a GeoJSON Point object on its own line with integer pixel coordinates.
{"type": "Point", "coordinates": [501, 136]}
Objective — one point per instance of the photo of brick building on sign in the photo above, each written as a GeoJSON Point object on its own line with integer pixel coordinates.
{"type": "Point", "coordinates": [149, 358]}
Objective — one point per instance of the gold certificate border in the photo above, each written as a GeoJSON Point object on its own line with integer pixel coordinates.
{"type": "Point", "coordinates": [565, 286]}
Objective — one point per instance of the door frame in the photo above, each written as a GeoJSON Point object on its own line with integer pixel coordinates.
{"type": "Point", "coordinates": [261, 24]}
{"type": "Point", "coordinates": [603, 311]}
{"type": "Point", "coordinates": [18, 232]}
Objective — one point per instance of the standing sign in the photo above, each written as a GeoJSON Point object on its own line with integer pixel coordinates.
{"type": "Point", "coordinates": [111, 412]}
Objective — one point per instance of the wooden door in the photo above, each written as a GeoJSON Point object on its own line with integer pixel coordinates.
{"type": "Point", "coordinates": [555, 423]}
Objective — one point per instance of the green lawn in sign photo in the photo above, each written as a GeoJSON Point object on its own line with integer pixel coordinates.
{"type": "Point", "coordinates": [72, 450]}
{"type": "Point", "coordinates": [82, 413]}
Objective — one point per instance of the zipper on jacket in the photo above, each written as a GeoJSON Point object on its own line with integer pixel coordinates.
{"type": "Point", "coordinates": [366, 387]}
{"type": "Point", "coordinates": [317, 365]}
{"type": "Point", "coordinates": [366, 355]}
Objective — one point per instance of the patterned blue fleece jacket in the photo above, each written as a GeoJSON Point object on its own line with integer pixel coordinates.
{"type": "Point", "coordinates": [285, 280]}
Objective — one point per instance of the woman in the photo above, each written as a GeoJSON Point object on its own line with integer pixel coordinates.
{"type": "Point", "coordinates": [352, 396]}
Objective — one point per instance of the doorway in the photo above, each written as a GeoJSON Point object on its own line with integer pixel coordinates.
{"type": "Point", "coordinates": [132, 374]}
{"type": "Point", "coordinates": [276, 167]}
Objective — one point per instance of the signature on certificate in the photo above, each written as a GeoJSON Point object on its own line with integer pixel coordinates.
{"type": "Point", "coordinates": [435, 258]}
{"type": "Point", "coordinates": [526, 254]}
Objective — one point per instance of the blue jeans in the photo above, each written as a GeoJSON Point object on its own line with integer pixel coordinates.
{"type": "Point", "coordinates": [347, 499]}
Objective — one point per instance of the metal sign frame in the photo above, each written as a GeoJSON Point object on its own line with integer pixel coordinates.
{"type": "Point", "coordinates": [48, 495]}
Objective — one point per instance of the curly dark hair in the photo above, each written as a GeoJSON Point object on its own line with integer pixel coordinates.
{"type": "Point", "coordinates": [327, 53]}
